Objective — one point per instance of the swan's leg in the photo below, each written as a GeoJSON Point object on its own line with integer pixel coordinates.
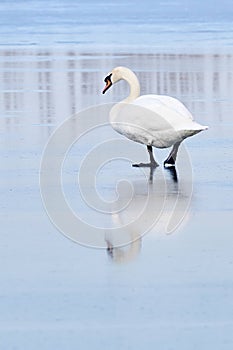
{"type": "Point", "coordinates": [171, 159]}
{"type": "Point", "coordinates": [152, 160]}
{"type": "Point", "coordinates": [152, 164]}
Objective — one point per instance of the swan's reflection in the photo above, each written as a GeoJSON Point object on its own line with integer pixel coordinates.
{"type": "Point", "coordinates": [171, 170]}
{"type": "Point", "coordinates": [173, 173]}
{"type": "Point", "coordinates": [173, 198]}
{"type": "Point", "coordinates": [124, 254]}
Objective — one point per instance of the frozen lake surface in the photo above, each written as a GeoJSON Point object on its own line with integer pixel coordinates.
{"type": "Point", "coordinates": [165, 291]}
{"type": "Point", "coordinates": [149, 24]}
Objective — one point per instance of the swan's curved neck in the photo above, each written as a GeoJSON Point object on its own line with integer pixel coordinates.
{"type": "Point", "coordinates": [133, 82]}
{"type": "Point", "coordinates": [130, 77]}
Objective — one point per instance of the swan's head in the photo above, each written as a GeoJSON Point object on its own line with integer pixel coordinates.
{"type": "Point", "coordinates": [114, 76]}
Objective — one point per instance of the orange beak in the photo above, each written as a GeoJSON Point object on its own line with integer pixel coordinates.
{"type": "Point", "coordinates": [107, 86]}
{"type": "Point", "coordinates": [108, 82]}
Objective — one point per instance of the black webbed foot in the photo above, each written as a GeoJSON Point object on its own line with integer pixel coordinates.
{"type": "Point", "coordinates": [169, 162]}
{"type": "Point", "coordinates": [146, 165]}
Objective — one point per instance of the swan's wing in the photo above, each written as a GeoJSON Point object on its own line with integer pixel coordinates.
{"type": "Point", "coordinates": [153, 101]}
{"type": "Point", "coordinates": [150, 121]}
{"type": "Point", "coordinates": [151, 124]}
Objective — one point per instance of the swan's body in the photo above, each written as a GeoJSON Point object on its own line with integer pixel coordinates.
{"type": "Point", "coordinates": [153, 120]}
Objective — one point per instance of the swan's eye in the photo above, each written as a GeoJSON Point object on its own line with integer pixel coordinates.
{"type": "Point", "coordinates": [108, 78]}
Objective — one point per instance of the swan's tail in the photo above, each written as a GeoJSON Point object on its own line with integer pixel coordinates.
{"type": "Point", "coordinates": [202, 127]}
{"type": "Point", "coordinates": [193, 130]}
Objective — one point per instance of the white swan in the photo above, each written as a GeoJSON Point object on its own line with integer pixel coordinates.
{"type": "Point", "coordinates": [153, 120]}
